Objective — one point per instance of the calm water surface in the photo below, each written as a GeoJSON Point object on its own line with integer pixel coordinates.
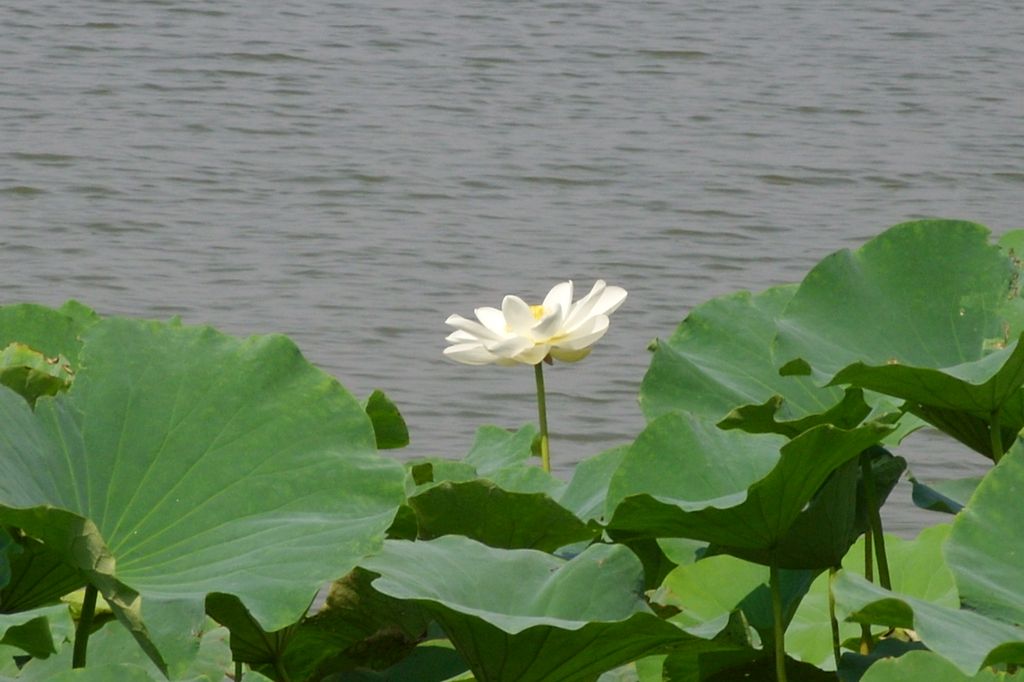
{"type": "Point", "coordinates": [351, 173]}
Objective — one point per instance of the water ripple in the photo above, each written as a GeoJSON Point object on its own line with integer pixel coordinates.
{"type": "Point", "coordinates": [353, 172]}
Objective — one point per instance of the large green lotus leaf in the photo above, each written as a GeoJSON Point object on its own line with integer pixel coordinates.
{"type": "Point", "coordinates": [544, 653]}
{"type": "Point", "coordinates": [710, 592]}
{"type": "Point", "coordinates": [925, 665]}
{"type": "Point", "coordinates": [922, 294]}
{"type": "Point", "coordinates": [493, 449]}
{"type": "Point", "coordinates": [852, 666]}
{"type": "Point", "coordinates": [53, 333]}
{"type": "Point", "coordinates": [195, 463]}
{"type": "Point", "coordinates": [496, 448]}
{"type": "Point", "coordinates": [719, 365]}
{"type": "Point", "coordinates": [525, 615]}
{"type": "Point", "coordinates": [249, 642]}
{"type": "Point", "coordinates": [707, 591]}
{"type": "Point", "coordinates": [944, 496]}
{"type": "Point", "coordinates": [499, 455]}
{"type": "Point", "coordinates": [536, 588]}
{"type": "Point", "coordinates": [29, 607]}
{"type": "Point", "coordinates": [911, 314]}
{"type": "Point", "coordinates": [367, 629]}
{"type": "Point", "coordinates": [74, 538]}
{"type": "Point", "coordinates": [986, 547]}
{"type": "Point", "coordinates": [40, 576]}
{"type": "Point", "coordinates": [683, 477]}
{"type": "Point", "coordinates": [1012, 244]}
{"type": "Point", "coordinates": [113, 657]}
{"type": "Point", "coordinates": [835, 517]}
{"type": "Point", "coordinates": [720, 358]}
{"type": "Point", "coordinates": [916, 568]}
{"type": "Point", "coordinates": [684, 457]}
{"type": "Point", "coordinates": [502, 457]}
{"type": "Point", "coordinates": [682, 551]}
{"type": "Point", "coordinates": [967, 638]}
{"type": "Point", "coordinates": [357, 628]}
{"type": "Point", "coordinates": [850, 411]}
{"type": "Point", "coordinates": [960, 400]}
{"type": "Point", "coordinates": [587, 492]}
{"type": "Point", "coordinates": [527, 479]}
{"type": "Point", "coordinates": [484, 512]}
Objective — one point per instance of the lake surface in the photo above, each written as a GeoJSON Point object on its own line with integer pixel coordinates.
{"type": "Point", "coordinates": [351, 173]}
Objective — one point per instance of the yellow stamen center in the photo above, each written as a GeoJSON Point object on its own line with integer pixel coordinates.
{"type": "Point", "coordinates": [538, 311]}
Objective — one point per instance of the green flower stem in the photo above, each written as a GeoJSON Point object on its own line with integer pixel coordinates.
{"type": "Point", "coordinates": [542, 415]}
{"type": "Point", "coordinates": [869, 573]}
{"type": "Point", "coordinates": [238, 671]}
{"type": "Point", "coordinates": [996, 435]}
{"type": "Point", "coordinates": [832, 615]}
{"type": "Point", "coordinates": [780, 631]}
{"type": "Point", "coordinates": [875, 520]}
{"type": "Point", "coordinates": [869, 564]}
{"type": "Point", "coordinates": [84, 627]}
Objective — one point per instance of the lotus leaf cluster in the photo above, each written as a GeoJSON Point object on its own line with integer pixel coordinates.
{"type": "Point", "coordinates": [181, 504]}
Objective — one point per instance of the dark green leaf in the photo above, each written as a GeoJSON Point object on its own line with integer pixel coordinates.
{"type": "Point", "coordinates": [925, 665]}
{"type": "Point", "coordinates": [113, 657]}
{"type": "Point", "coordinates": [837, 514]}
{"type": "Point", "coordinates": [917, 313]}
{"type": "Point", "coordinates": [484, 512]}
{"type": "Point", "coordinates": [916, 568]}
{"type": "Point", "coordinates": [524, 615]}
{"type": "Point", "coordinates": [720, 358]}
{"type": "Point", "coordinates": [934, 286]}
{"type": "Point", "coordinates": [986, 547]}
{"type": "Point", "coordinates": [968, 639]}
{"type": "Point", "coordinates": [38, 632]}
{"type": "Point", "coordinates": [33, 637]}
{"type": "Point", "coordinates": [358, 628]}
{"type": "Point", "coordinates": [944, 496]}
{"type": "Point", "coordinates": [40, 576]}
{"type": "Point", "coordinates": [199, 463]}
{"type": "Point", "coordinates": [249, 642]}
{"type": "Point", "coordinates": [763, 418]}
{"type": "Point", "coordinates": [685, 478]}
{"type": "Point", "coordinates": [959, 400]}
{"type": "Point", "coordinates": [388, 425]}
{"type": "Point", "coordinates": [429, 662]}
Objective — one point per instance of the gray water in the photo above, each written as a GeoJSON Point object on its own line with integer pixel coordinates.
{"type": "Point", "coordinates": [351, 173]}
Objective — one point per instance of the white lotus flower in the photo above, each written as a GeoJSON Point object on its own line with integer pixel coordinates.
{"type": "Point", "coordinates": [523, 334]}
